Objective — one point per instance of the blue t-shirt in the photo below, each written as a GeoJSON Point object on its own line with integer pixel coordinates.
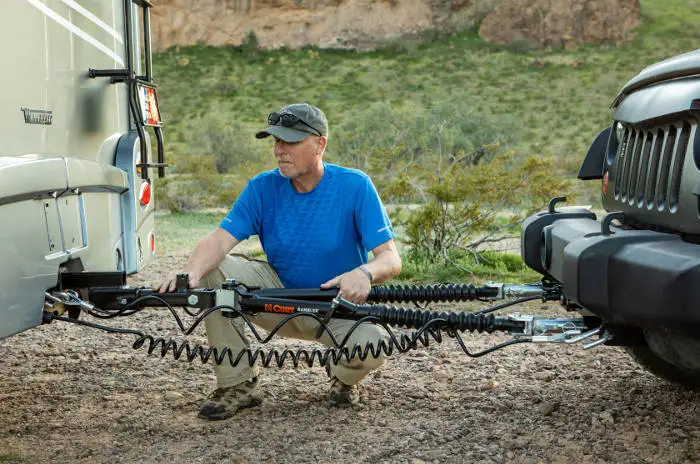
{"type": "Point", "coordinates": [311, 237]}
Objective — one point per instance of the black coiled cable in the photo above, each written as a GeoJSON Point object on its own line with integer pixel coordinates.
{"type": "Point", "coordinates": [432, 325]}
{"type": "Point", "coordinates": [308, 357]}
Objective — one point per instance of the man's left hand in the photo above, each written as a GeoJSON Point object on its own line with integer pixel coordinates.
{"type": "Point", "coordinates": [354, 286]}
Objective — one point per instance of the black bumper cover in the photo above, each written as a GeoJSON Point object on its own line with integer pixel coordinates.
{"type": "Point", "coordinates": [631, 277]}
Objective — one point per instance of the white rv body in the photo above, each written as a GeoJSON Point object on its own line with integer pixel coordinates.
{"type": "Point", "coordinates": [69, 147]}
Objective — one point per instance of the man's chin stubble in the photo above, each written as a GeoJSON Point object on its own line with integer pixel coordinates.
{"type": "Point", "coordinates": [286, 176]}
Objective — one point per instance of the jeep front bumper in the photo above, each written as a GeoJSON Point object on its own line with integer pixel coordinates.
{"type": "Point", "coordinates": [633, 277]}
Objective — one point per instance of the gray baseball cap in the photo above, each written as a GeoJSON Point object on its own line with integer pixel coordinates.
{"type": "Point", "coordinates": [295, 122]}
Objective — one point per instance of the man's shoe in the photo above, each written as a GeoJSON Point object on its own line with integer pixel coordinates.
{"type": "Point", "coordinates": [341, 394]}
{"type": "Point", "coordinates": [224, 402]}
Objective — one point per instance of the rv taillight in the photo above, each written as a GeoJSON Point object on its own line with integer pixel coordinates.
{"type": "Point", "coordinates": [145, 194]}
{"type": "Point", "coordinates": [152, 243]}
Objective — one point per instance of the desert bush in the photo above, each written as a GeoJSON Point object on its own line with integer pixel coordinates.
{"type": "Point", "coordinates": [200, 187]}
{"type": "Point", "coordinates": [402, 145]}
{"type": "Point", "coordinates": [470, 207]}
{"type": "Point", "coordinates": [178, 195]}
{"type": "Point", "coordinates": [229, 144]}
{"type": "Point", "coordinates": [450, 160]}
{"type": "Point", "coordinates": [487, 266]}
{"type": "Point", "coordinates": [251, 43]}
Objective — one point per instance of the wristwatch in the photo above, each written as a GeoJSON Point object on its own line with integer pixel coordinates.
{"type": "Point", "coordinates": [366, 270]}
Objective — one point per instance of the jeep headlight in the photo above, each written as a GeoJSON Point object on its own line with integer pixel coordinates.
{"type": "Point", "coordinates": [619, 131]}
{"type": "Point", "coordinates": [615, 142]}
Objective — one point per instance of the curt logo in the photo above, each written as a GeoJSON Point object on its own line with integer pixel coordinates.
{"type": "Point", "coordinates": [270, 308]}
{"type": "Point", "coordinates": [43, 117]}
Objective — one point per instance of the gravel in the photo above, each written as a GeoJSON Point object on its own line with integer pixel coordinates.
{"type": "Point", "coordinates": [75, 394]}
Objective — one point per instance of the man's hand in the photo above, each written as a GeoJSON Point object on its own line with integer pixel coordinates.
{"type": "Point", "coordinates": [169, 284]}
{"type": "Point", "coordinates": [354, 286]}
{"type": "Point", "coordinates": [206, 256]}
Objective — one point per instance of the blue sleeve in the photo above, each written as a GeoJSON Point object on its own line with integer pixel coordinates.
{"type": "Point", "coordinates": [246, 215]}
{"type": "Point", "coordinates": [373, 223]}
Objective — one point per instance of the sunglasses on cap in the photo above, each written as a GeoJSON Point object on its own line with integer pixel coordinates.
{"type": "Point", "coordinates": [288, 120]}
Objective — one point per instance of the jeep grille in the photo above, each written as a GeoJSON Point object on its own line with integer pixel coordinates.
{"type": "Point", "coordinates": [649, 165]}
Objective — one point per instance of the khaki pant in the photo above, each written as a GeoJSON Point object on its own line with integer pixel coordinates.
{"type": "Point", "coordinates": [229, 332]}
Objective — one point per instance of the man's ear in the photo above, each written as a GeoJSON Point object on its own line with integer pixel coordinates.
{"type": "Point", "coordinates": [322, 141]}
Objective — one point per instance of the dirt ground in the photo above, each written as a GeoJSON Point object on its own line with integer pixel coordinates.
{"type": "Point", "coordinates": [75, 394]}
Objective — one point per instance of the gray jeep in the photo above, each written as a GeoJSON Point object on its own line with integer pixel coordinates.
{"type": "Point", "coordinates": [638, 269]}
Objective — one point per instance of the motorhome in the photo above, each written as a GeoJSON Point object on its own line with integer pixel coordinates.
{"type": "Point", "coordinates": [77, 110]}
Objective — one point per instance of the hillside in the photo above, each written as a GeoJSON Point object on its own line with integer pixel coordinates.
{"type": "Point", "coordinates": [556, 101]}
{"type": "Point", "coordinates": [365, 24]}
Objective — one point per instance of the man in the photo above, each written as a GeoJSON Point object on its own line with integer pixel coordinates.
{"type": "Point", "coordinates": [316, 222]}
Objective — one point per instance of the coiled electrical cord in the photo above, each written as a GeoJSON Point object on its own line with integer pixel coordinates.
{"type": "Point", "coordinates": [431, 325]}
{"type": "Point", "coordinates": [331, 355]}
{"type": "Point", "coordinates": [323, 357]}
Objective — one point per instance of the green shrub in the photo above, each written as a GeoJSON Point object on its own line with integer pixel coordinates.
{"type": "Point", "coordinates": [512, 263]}
{"type": "Point", "coordinates": [486, 266]}
{"type": "Point", "coordinates": [250, 43]}
{"type": "Point", "coordinates": [402, 146]}
{"type": "Point", "coordinates": [177, 196]}
{"type": "Point", "coordinates": [449, 160]}
{"type": "Point", "coordinates": [229, 143]}
{"type": "Point", "coordinates": [471, 205]}
{"type": "Point", "coordinates": [192, 192]}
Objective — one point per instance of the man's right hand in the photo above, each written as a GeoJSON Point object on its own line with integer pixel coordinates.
{"type": "Point", "coordinates": [206, 256]}
{"type": "Point", "coordinates": [169, 284]}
